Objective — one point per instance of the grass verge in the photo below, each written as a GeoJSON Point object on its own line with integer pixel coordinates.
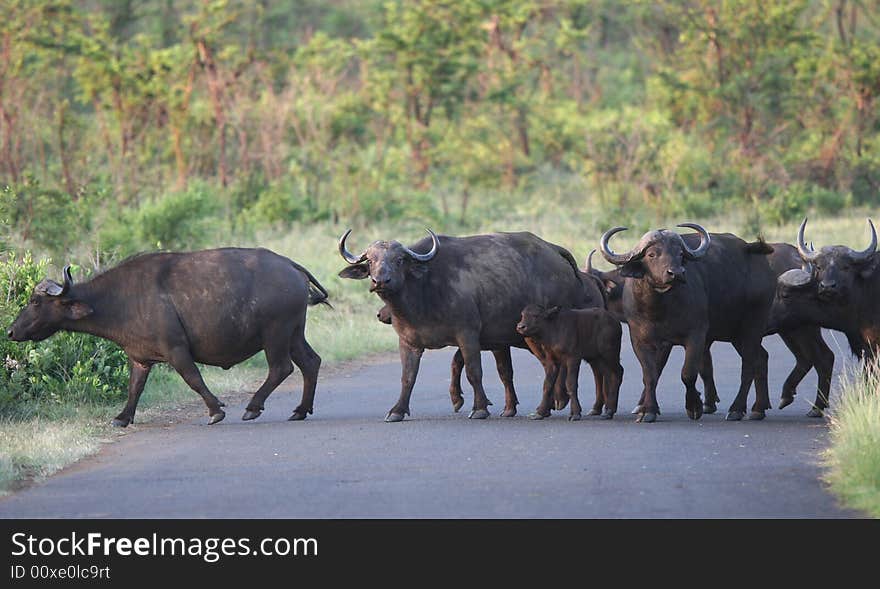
{"type": "Point", "coordinates": [853, 458]}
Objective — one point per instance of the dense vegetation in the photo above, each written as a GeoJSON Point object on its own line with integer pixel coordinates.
{"type": "Point", "coordinates": [151, 123]}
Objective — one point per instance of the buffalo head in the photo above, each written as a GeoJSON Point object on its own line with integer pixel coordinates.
{"type": "Point", "coordinates": [535, 319]}
{"type": "Point", "coordinates": [833, 270]}
{"type": "Point", "coordinates": [50, 308]}
{"type": "Point", "coordinates": [386, 263]}
{"type": "Point", "coordinates": [658, 258]}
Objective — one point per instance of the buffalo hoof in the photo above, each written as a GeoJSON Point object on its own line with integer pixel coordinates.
{"type": "Point", "coordinates": [560, 404]}
{"type": "Point", "coordinates": [508, 413]}
{"type": "Point", "coordinates": [735, 415]}
{"type": "Point", "coordinates": [393, 417]}
{"type": "Point", "coordinates": [757, 415]}
{"type": "Point", "coordinates": [709, 408]}
{"type": "Point", "coordinates": [646, 418]}
{"type": "Point", "coordinates": [251, 414]}
{"type": "Point", "coordinates": [297, 416]}
{"type": "Point", "coordinates": [538, 415]}
{"type": "Point", "coordinates": [479, 414]}
{"type": "Point", "coordinates": [457, 405]}
{"type": "Point", "coordinates": [607, 415]}
{"type": "Point", "coordinates": [785, 402]}
{"type": "Point", "coordinates": [594, 412]}
{"type": "Point", "coordinates": [120, 422]}
{"type": "Point", "coordinates": [216, 417]}
{"type": "Point", "coordinates": [574, 417]}
{"type": "Point", "coordinates": [815, 412]}
{"type": "Point", "coordinates": [636, 410]}
{"type": "Point", "coordinates": [695, 414]}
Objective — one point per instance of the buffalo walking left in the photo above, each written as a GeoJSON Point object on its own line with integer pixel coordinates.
{"type": "Point", "coordinates": [216, 307]}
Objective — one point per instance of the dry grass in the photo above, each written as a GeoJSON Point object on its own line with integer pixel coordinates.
{"type": "Point", "coordinates": [853, 459]}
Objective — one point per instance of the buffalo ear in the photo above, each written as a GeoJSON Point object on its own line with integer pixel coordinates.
{"type": "Point", "coordinates": [632, 270]}
{"type": "Point", "coordinates": [76, 310]}
{"type": "Point", "coordinates": [869, 267]}
{"type": "Point", "coordinates": [551, 313]}
{"type": "Point", "coordinates": [418, 269]}
{"type": "Point", "coordinates": [355, 272]}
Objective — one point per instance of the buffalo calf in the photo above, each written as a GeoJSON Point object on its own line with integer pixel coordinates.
{"type": "Point", "coordinates": [567, 336]}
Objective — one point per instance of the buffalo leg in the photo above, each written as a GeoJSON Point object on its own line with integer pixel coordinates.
{"type": "Point", "coordinates": [504, 364]}
{"type": "Point", "coordinates": [410, 358]}
{"type": "Point", "coordinates": [551, 375]}
{"type": "Point", "coordinates": [137, 378]}
{"type": "Point", "coordinates": [473, 368]}
{"type": "Point", "coordinates": [802, 356]}
{"type": "Point", "coordinates": [693, 362]}
{"type": "Point", "coordinates": [707, 374]}
{"type": "Point", "coordinates": [560, 395]}
{"type": "Point", "coordinates": [599, 380]}
{"type": "Point", "coordinates": [823, 359]}
{"type": "Point", "coordinates": [753, 356]}
{"type": "Point", "coordinates": [662, 356]}
{"type": "Point", "coordinates": [309, 362]}
{"type": "Point", "coordinates": [653, 359]}
{"type": "Point", "coordinates": [455, 392]}
{"type": "Point", "coordinates": [572, 371]}
{"type": "Point", "coordinates": [613, 377]}
{"type": "Point", "coordinates": [181, 360]}
{"type": "Point", "coordinates": [280, 367]}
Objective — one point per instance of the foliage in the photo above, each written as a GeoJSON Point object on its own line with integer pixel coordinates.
{"type": "Point", "coordinates": [64, 369]}
{"type": "Point", "coordinates": [853, 459]}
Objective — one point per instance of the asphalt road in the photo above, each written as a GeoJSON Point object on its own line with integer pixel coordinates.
{"type": "Point", "coordinates": [345, 462]}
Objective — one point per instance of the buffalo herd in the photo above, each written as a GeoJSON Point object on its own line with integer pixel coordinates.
{"type": "Point", "coordinates": [490, 292]}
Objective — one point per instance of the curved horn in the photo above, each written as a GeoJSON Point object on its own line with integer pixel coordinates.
{"type": "Point", "coordinates": [589, 265]}
{"type": "Point", "coordinates": [347, 255]}
{"type": "Point", "coordinates": [866, 253]}
{"type": "Point", "coordinates": [68, 281]}
{"type": "Point", "coordinates": [425, 257]}
{"type": "Point", "coordinates": [808, 254]}
{"type": "Point", "coordinates": [607, 253]}
{"type": "Point", "coordinates": [705, 240]}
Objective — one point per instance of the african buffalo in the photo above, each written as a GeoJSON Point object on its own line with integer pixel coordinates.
{"type": "Point", "coordinates": [465, 292]}
{"type": "Point", "coordinates": [725, 296]}
{"type": "Point", "coordinates": [804, 341]}
{"type": "Point", "coordinates": [216, 307]}
{"type": "Point", "coordinates": [835, 287]}
{"type": "Point", "coordinates": [568, 336]}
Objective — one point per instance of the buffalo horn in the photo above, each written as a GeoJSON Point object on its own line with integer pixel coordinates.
{"type": "Point", "coordinates": [704, 241]}
{"type": "Point", "coordinates": [866, 253]}
{"type": "Point", "coordinates": [589, 267]}
{"type": "Point", "coordinates": [607, 253]}
{"type": "Point", "coordinates": [348, 256]}
{"type": "Point", "coordinates": [807, 253]}
{"type": "Point", "coordinates": [68, 281]}
{"type": "Point", "coordinates": [430, 254]}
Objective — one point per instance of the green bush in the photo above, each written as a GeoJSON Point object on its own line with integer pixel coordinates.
{"type": "Point", "coordinates": [48, 218]}
{"type": "Point", "coordinates": [180, 220]}
{"type": "Point", "coordinates": [67, 367]}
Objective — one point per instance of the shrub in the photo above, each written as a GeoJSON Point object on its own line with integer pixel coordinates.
{"type": "Point", "coordinates": [46, 217]}
{"type": "Point", "coordinates": [182, 220]}
{"type": "Point", "coordinates": [68, 367]}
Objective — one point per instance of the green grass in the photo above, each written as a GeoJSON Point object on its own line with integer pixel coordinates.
{"type": "Point", "coordinates": [38, 442]}
{"type": "Point", "coordinates": [853, 458]}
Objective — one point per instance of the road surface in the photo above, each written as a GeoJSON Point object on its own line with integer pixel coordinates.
{"type": "Point", "coordinates": [345, 462]}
